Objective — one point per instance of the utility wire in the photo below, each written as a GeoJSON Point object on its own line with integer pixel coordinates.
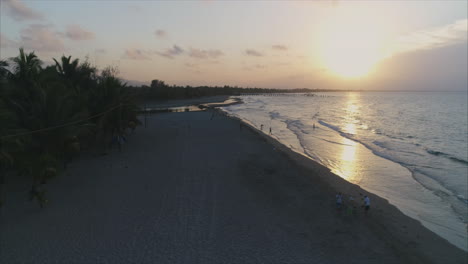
{"type": "Point", "coordinates": [62, 125]}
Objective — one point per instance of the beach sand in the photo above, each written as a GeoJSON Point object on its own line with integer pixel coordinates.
{"type": "Point", "coordinates": [194, 189]}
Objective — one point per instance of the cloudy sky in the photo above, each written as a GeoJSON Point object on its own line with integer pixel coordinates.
{"type": "Point", "coordinates": [399, 45]}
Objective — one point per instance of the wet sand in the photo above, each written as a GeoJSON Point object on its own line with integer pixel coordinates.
{"type": "Point", "coordinates": [196, 188]}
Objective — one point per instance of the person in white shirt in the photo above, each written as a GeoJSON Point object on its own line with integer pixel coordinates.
{"type": "Point", "coordinates": [366, 204]}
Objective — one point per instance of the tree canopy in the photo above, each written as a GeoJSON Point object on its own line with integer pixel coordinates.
{"type": "Point", "coordinates": [48, 114]}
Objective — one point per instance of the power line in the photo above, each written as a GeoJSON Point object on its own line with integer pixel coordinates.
{"type": "Point", "coordinates": [62, 125]}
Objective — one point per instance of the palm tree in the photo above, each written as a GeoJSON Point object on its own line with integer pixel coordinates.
{"type": "Point", "coordinates": [40, 103]}
{"type": "Point", "coordinates": [52, 106]}
{"type": "Point", "coordinates": [73, 72]}
{"type": "Point", "coordinates": [50, 118]}
{"type": "Point", "coordinates": [68, 68]}
{"type": "Point", "coordinates": [22, 88]}
{"type": "Point", "coordinates": [110, 93]}
{"type": "Point", "coordinates": [79, 78]}
{"type": "Point", "coordinates": [25, 66]}
{"type": "Point", "coordinates": [4, 75]}
{"type": "Point", "coordinates": [4, 72]}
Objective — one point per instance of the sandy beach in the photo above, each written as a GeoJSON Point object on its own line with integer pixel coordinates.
{"type": "Point", "coordinates": [197, 187]}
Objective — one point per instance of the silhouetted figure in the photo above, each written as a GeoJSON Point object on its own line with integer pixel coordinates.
{"type": "Point", "coordinates": [270, 130]}
{"type": "Point", "coordinates": [339, 200]}
{"type": "Point", "coordinates": [261, 127]}
{"type": "Point", "coordinates": [366, 204]}
{"type": "Point", "coordinates": [120, 139]}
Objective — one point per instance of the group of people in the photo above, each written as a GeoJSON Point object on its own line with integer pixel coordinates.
{"type": "Point", "coordinates": [350, 205]}
{"type": "Point", "coordinates": [261, 128]}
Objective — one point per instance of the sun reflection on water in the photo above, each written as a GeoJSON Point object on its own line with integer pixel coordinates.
{"type": "Point", "coordinates": [350, 128]}
{"type": "Point", "coordinates": [349, 153]}
{"type": "Point", "coordinates": [348, 166]}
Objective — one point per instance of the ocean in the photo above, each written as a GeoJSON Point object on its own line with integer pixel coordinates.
{"type": "Point", "coordinates": [408, 147]}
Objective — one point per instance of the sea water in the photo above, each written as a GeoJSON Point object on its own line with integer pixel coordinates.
{"type": "Point", "coordinates": [408, 147]}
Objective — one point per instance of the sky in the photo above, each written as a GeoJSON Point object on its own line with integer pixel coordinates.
{"type": "Point", "coordinates": [391, 45]}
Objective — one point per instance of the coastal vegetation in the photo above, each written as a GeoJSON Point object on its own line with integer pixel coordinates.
{"type": "Point", "coordinates": [48, 114]}
{"type": "Point", "coordinates": [159, 90]}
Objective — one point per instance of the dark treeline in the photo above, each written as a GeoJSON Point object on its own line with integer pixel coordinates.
{"type": "Point", "coordinates": [47, 114]}
{"type": "Point", "coordinates": [158, 90]}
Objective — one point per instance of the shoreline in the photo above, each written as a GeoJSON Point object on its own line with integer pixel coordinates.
{"type": "Point", "coordinates": [428, 183]}
{"type": "Point", "coordinates": [192, 186]}
{"type": "Point", "coordinates": [410, 196]}
{"type": "Point", "coordinates": [401, 230]}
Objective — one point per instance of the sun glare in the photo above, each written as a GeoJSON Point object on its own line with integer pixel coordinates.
{"type": "Point", "coordinates": [351, 42]}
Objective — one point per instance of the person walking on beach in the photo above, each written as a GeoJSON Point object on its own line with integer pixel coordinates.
{"type": "Point", "coordinates": [120, 141]}
{"type": "Point", "coordinates": [270, 130]}
{"type": "Point", "coordinates": [366, 204]}
{"type": "Point", "coordinates": [339, 200]}
{"type": "Point", "coordinates": [350, 207]}
{"type": "Point", "coordinates": [261, 127]}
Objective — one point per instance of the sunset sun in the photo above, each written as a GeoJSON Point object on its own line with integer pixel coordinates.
{"type": "Point", "coordinates": [350, 46]}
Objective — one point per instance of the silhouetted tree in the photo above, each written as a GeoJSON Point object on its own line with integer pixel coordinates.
{"type": "Point", "coordinates": [55, 109]}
